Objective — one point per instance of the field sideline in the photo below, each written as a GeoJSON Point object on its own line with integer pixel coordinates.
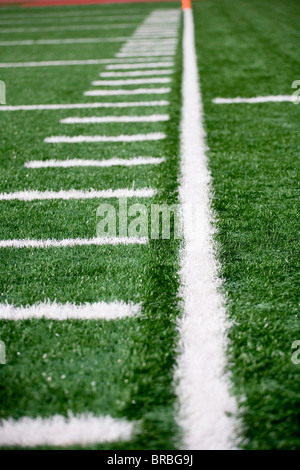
{"type": "Point", "coordinates": [130, 342]}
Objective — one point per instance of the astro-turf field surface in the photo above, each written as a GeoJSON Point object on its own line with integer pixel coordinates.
{"type": "Point", "coordinates": [93, 328]}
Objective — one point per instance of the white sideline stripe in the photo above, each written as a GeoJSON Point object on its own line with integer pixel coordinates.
{"type": "Point", "coordinates": [70, 242]}
{"type": "Point", "coordinates": [56, 63]}
{"type": "Point", "coordinates": [145, 54]}
{"type": "Point", "coordinates": [61, 431]}
{"type": "Point", "coordinates": [76, 194]}
{"type": "Point", "coordinates": [77, 162]}
{"type": "Point", "coordinates": [139, 66]}
{"type": "Point", "coordinates": [257, 99]}
{"type": "Point", "coordinates": [137, 91]}
{"type": "Point", "coordinates": [139, 73]}
{"type": "Point", "coordinates": [58, 311]}
{"type": "Point", "coordinates": [104, 138]}
{"type": "Point", "coordinates": [39, 107]}
{"type": "Point", "coordinates": [136, 81]}
{"type": "Point", "coordinates": [96, 119]}
{"type": "Point", "coordinates": [203, 390]}
{"type": "Point", "coordinates": [78, 27]}
{"type": "Point", "coordinates": [37, 42]}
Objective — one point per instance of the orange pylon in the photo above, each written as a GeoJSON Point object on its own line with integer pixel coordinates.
{"type": "Point", "coordinates": [186, 4]}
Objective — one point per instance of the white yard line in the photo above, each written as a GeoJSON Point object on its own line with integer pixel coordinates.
{"type": "Point", "coordinates": [257, 99]}
{"type": "Point", "coordinates": [54, 107]}
{"type": "Point", "coordinates": [58, 311]}
{"type": "Point", "coordinates": [203, 389]}
{"type": "Point", "coordinates": [32, 195]}
{"type": "Point", "coordinates": [78, 27]}
{"type": "Point", "coordinates": [105, 138]}
{"type": "Point", "coordinates": [79, 18]}
{"type": "Point", "coordinates": [104, 119]}
{"type": "Point", "coordinates": [57, 63]}
{"type": "Point", "coordinates": [135, 81]}
{"type": "Point", "coordinates": [77, 162]}
{"type": "Point", "coordinates": [139, 73]}
{"type": "Point", "coordinates": [61, 431]}
{"type": "Point", "coordinates": [145, 54]}
{"type": "Point", "coordinates": [37, 42]}
{"type": "Point", "coordinates": [145, 65]}
{"type": "Point", "coordinates": [70, 242]}
{"type": "Point", "coordinates": [137, 91]}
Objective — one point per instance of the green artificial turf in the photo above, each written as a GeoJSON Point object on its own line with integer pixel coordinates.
{"type": "Point", "coordinates": [251, 48]}
{"type": "Point", "coordinates": [123, 368]}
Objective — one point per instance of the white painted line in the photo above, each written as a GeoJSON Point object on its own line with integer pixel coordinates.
{"type": "Point", "coordinates": [76, 194]}
{"type": "Point", "coordinates": [57, 63]}
{"type": "Point", "coordinates": [138, 73]}
{"type": "Point", "coordinates": [150, 42]}
{"type": "Point", "coordinates": [137, 91]}
{"type": "Point", "coordinates": [37, 15]}
{"type": "Point", "coordinates": [145, 54]}
{"type": "Point", "coordinates": [61, 431]}
{"type": "Point", "coordinates": [256, 99]}
{"type": "Point", "coordinates": [139, 66]}
{"type": "Point", "coordinates": [49, 107]}
{"type": "Point", "coordinates": [136, 81]}
{"type": "Point", "coordinates": [79, 18]}
{"type": "Point", "coordinates": [104, 138]}
{"type": "Point", "coordinates": [104, 119]}
{"type": "Point", "coordinates": [78, 27]}
{"type": "Point", "coordinates": [77, 162]}
{"type": "Point", "coordinates": [70, 242]}
{"type": "Point", "coordinates": [37, 42]}
{"type": "Point", "coordinates": [203, 390]}
{"type": "Point", "coordinates": [58, 311]}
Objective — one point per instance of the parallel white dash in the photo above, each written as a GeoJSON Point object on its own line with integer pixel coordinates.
{"type": "Point", "coordinates": [104, 138]}
{"type": "Point", "coordinates": [49, 107]}
{"type": "Point", "coordinates": [203, 389]}
{"type": "Point", "coordinates": [134, 81]}
{"type": "Point", "coordinates": [41, 42]}
{"type": "Point", "coordinates": [76, 194]}
{"type": "Point", "coordinates": [74, 19]}
{"type": "Point", "coordinates": [59, 63]}
{"type": "Point", "coordinates": [257, 99]}
{"type": "Point", "coordinates": [61, 431]}
{"type": "Point", "coordinates": [140, 66]}
{"type": "Point", "coordinates": [77, 162]}
{"type": "Point", "coordinates": [78, 27]}
{"type": "Point", "coordinates": [58, 311]}
{"type": "Point", "coordinates": [70, 242]}
{"type": "Point", "coordinates": [137, 91]}
{"type": "Point", "coordinates": [146, 53]}
{"type": "Point", "coordinates": [139, 73]}
{"type": "Point", "coordinates": [105, 119]}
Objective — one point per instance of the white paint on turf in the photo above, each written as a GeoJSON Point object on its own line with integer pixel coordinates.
{"type": "Point", "coordinates": [49, 107]}
{"type": "Point", "coordinates": [60, 63]}
{"type": "Point", "coordinates": [135, 161]}
{"type": "Point", "coordinates": [139, 73]}
{"type": "Point", "coordinates": [105, 119]}
{"type": "Point", "coordinates": [58, 311]}
{"type": "Point", "coordinates": [144, 65]}
{"type": "Point", "coordinates": [137, 91]}
{"type": "Point", "coordinates": [203, 388]}
{"type": "Point", "coordinates": [256, 99]}
{"type": "Point", "coordinates": [77, 139]}
{"type": "Point", "coordinates": [76, 194]}
{"type": "Point", "coordinates": [41, 42]}
{"type": "Point", "coordinates": [64, 431]}
{"type": "Point", "coordinates": [134, 81]}
{"type": "Point", "coordinates": [70, 242]}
